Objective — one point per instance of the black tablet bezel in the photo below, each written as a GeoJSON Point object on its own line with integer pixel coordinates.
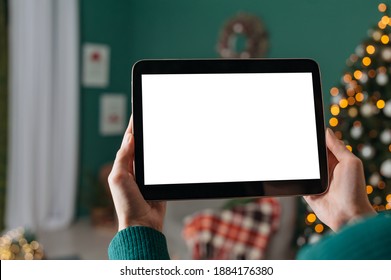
{"type": "Point", "coordinates": [227, 189]}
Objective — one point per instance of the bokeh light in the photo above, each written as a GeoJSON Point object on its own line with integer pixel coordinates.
{"type": "Point", "coordinates": [334, 110]}
{"type": "Point", "coordinates": [366, 61]}
{"type": "Point", "coordinates": [380, 104]}
{"type": "Point", "coordinates": [343, 103]}
{"type": "Point", "coordinates": [385, 39]}
{"type": "Point", "coordinates": [334, 91]}
{"type": "Point", "coordinates": [382, 7]}
{"type": "Point", "coordinates": [359, 96]}
{"type": "Point", "coordinates": [333, 122]}
{"type": "Point", "coordinates": [311, 217]}
{"type": "Point", "coordinates": [319, 228]}
{"type": "Point", "coordinates": [370, 49]}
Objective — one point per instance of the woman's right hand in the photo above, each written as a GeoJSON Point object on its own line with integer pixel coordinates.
{"type": "Point", "coordinates": [346, 198]}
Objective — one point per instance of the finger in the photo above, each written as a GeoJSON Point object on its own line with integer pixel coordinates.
{"type": "Point", "coordinates": [125, 155]}
{"type": "Point", "coordinates": [336, 147]}
{"type": "Point", "coordinates": [131, 154]}
{"type": "Point", "coordinates": [332, 161]}
{"type": "Point", "coordinates": [129, 129]}
{"type": "Point", "coordinates": [131, 123]}
{"type": "Point", "coordinates": [126, 139]}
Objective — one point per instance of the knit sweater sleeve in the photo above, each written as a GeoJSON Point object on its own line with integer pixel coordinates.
{"type": "Point", "coordinates": [364, 240]}
{"type": "Point", "coordinates": [138, 243]}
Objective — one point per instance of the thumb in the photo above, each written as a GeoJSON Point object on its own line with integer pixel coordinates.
{"type": "Point", "coordinates": [336, 146]}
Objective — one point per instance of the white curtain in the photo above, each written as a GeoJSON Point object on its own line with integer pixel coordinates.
{"type": "Point", "coordinates": [44, 109]}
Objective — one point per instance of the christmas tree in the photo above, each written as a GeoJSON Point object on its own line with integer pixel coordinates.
{"type": "Point", "coordinates": [361, 115]}
{"type": "Point", "coordinates": [361, 109]}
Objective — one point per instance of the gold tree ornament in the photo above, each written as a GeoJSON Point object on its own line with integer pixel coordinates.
{"type": "Point", "coordinates": [243, 36]}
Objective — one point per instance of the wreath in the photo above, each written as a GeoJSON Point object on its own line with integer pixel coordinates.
{"type": "Point", "coordinates": [243, 25]}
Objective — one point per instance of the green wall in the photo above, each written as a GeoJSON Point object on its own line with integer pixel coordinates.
{"type": "Point", "coordinates": [327, 31]}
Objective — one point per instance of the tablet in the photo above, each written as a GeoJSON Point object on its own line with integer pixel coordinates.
{"type": "Point", "coordinates": [228, 128]}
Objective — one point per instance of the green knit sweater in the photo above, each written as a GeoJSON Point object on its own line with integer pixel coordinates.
{"type": "Point", "coordinates": [138, 243]}
{"type": "Point", "coordinates": [367, 239]}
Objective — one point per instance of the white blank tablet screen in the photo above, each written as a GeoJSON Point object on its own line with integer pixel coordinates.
{"type": "Point", "coordinates": [204, 128]}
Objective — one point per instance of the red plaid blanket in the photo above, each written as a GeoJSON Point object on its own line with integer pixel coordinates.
{"type": "Point", "coordinates": [242, 232]}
